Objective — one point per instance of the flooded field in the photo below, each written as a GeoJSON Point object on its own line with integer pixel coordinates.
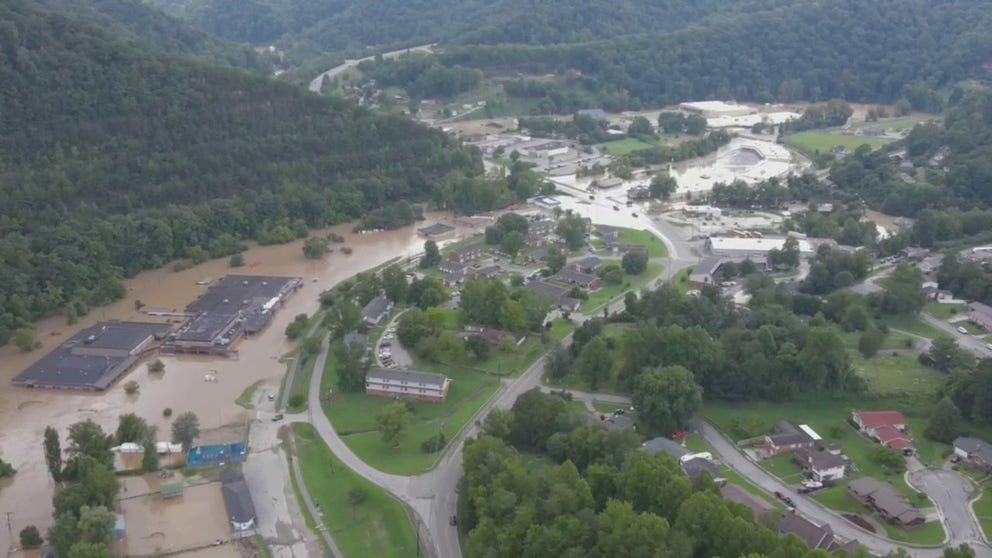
{"type": "Point", "coordinates": [182, 387]}
{"type": "Point", "coordinates": [159, 525]}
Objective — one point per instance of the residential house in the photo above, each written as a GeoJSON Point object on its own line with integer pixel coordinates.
{"type": "Point", "coordinates": [488, 272]}
{"type": "Point", "coordinates": [815, 537]}
{"type": "Point", "coordinates": [407, 384]}
{"type": "Point", "coordinates": [541, 227]}
{"type": "Point", "coordinates": [376, 310]}
{"type": "Point", "coordinates": [789, 437]}
{"type": "Point", "coordinates": [454, 278]}
{"type": "Point", "coordinates": [539, 255]}
{"type": "Point", "coordinates": [589, 265]}
{"type": "Point", "coordinates": [695, 467]}
{"type": "Point", "coordinates": [237, 501]}
{"type": "Point", "coordinates": [980, 315]}
{"type": "Point", "coordinates": [494, 336]}
{"type": "Point", "coordinates": [583, 280]}
{"type": "Point", "coordinates": [820, 465]}
{"type": "Point", "coordinates": [535, 240]}
{"type": "Point", "coordinates": [934, 294]}
{"type": "Point", "coordinates": [975, 451]}
{"type": "Point", "coordinates": [655, 446]}
{"type": "Point", "coordinates": [450, 267]}
{"type": "Point", "coordinates": [703, 273]}
{"type": "Point", "coordinates": [758, 506]}
{"type": "Point", "coordinates": [885, 427]}
{"type": "Point", "coordinates": [436, 230]}
{"type": "Point", "coordinates": [465, 254]}
{"type": "Point", "coordinates": [886, 500]}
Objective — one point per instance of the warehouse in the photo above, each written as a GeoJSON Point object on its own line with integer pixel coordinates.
{"type": "Point", "coordinates": [733, 247]}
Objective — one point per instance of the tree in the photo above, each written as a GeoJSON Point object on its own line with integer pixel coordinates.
{"type": "Point", "coordinates": [53, 453]}
{"type": "Point", "coordinates": [149, 459]}
{"type": "Point", "coordinates": [131, 428]}
{"type": "Point", "coordinates": [663, 185]}
{"type": "Point", "coordinates": [297, 327]}
{"type": "Point", "coordinates": [24, 339]}
{"type": "Point", "coordinates": [695, 124]}
{"type": "Point", "coordinates": [156, 366]}
{"type": "Point", "coordinates": [237, 260]}
{"type": "Point", "coordinates": [640, 126]}
{"type": "Point", "coordinates": [870, 341]}
{"type": "Point", "coordinates": [352, 366]}
{"type": "Point", "coordinates": [6, 470]}
{"type": "Point", "coordinates": [478, 346]}
{"type": "Point", "coordinates": [185, 429]}
{"type": "Point", "coordinates": [594, 363]}
{"type": "Point", "coordinates": [392, 422]}
{"type": "Point", "coordinates": [611, 274]}
{"type": "Point", "coordinates": [412, 327]}
{"type": "Point", "coordinates": [314, 248]}
{"type": "Point", "coordinates": [666, 398]}
{"type": "Point", "coordinates": [89, 550]}
{"type": "Point", "coordinates": [945, 422]}
{"type": "Point", "coordinates": [889, 459]}
{"type": "Point", "coordinates": [536, 416]}
{"type": "Point", "coordinates": [394, 283]}
{"type": "Point", "coordinates": [555, 260]}
{"type": "Point", "coordinates": [634, 263]}
{"type": "Point", "coordinates": [357, 496]}
{"type": "Point", "coordinates": [96, 525]}
{"type": "Point", "coordinates": [432, 256]}
{"type": "Point", "coordinates": [87, 439]}
{"type": "Point", "coordinates": [558, 364]}
{"type": "Point", "coordinates": [30, 537]}
{"type": "Point", "coordinates": [946, 356]}
{"type": "Point", "coordinates": [63, 533]}
{"type": "Point", "coordinates": [903, 294]}
{"type": "Point", "coordinates": [512, 244]}
{"type": "Point", "coordinates": [572, 228]}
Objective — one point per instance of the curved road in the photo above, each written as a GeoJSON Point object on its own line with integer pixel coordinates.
{"type": "Point", "coordinates": [318, 81]}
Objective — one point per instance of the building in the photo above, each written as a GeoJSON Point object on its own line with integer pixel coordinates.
{"type": "Point", "coordinates": [674, 449]}
{"type": "Point", "coordinates": [975, 451]}
{"type": "Point", "coordinates": [588, 265]}
{"type": "Point", "coordinates": [450, 267]}
{"type": "Point", "coordinates": [820, 465]}
{"type": "Point", "coordinates": [583, 280]}
{"type": "Point", "coordinates": [695, 468]}
{"type": "Point", "coordinates": [815, 537]}
{"type": "Point", "coordinates": [406, 384]}
{"type": "Point", "coordinates": [94, 358]}
{"type": "Point", "coordinates": [980, 315]}
{"type": "Point", "coordinates": [437, 230]}
{"type": "Point", "coordinates": [535, 240]}
{"type": "Point", "coordinates": [758, 506]}
{"type": "Point", "coordinates": [789, 437]}
{"type": "Point", "coordinates": [886, 500]}
{"type": "Point", "coordinates": [885, 427]}
{"type": "Point", "coordinates": [454, 278]}
{"type": "Point", "coordinates": [466, 254]}
{"type": "Point", "coordinates": [715, 109]}
{"type": "Point", "coordinates": [488, 272]}
{"type": "Point", "coordinates": [237, 500]}
{"type": "Point", "coordinates": [596, 114]}
{"type": "Point", "coordinates": [734, 247]}
{"type": "Point", "coordinates": [704, 271]}
{"type": "Point", "coordinates": [541, 227]}
{"type": "Point", "coordinates": [548, 149]}
{"type": "Point", "coordinates": [494, 336]}
{"type": "Point", "coordinates": [376, 310]}
{"type": "Point", "coordinates": [608, 183]}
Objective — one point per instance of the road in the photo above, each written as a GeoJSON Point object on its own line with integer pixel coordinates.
{"type": "Point", "coordinates": [946, 488]}
{"type": "Point", "coordinates": [965, 340]}
{"type": "Point", "coordinates": [318, 81]}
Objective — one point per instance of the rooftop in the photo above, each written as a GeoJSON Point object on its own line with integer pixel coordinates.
{"type": "Point", "coordinates": [695, 467]}
{"type": "Point", "coordinates": [409, 376]}
{"type": "Point", "coordinates": [436, 229]}
{"type": "Point", "coordinates": [814, 536]}
{"type": "Point", "coordinates": [355, 338]}
{"type": "Point", "coordinates": [237, 498]}
{"type": "Point", "coordinates": [876, 419]}
{"type": "Point", "coordinates": [707, 265]}
{"type": "Point", "coordinates": [885, 498]}
{"type": "Point", "coordinates": [655, 446]}
{"type": "Point", "coordinates": [820, 460]}
{"type": "Point", "coordinates": [245, 297]}
{"type": "Point", "coordinates": [376, 307]}
{"type": "Point", "coordinates": [755, 244]}
{"type": "Point", "coordinates": [589, 261]}
{"type": "Point", "coordinates": [572, 276]}
{"type": "Point", "coordinates": [975, 447]}
{"type": "Point", "coordinates": [554, 292]}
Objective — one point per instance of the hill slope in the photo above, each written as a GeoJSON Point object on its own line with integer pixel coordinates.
{"type": "Point", "coordinates": [114, 159]}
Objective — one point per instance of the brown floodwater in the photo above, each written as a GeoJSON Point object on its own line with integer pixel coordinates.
{"type": "Point", "coordinates": [25, 412]}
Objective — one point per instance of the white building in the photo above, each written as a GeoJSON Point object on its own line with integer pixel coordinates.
{"type": "Point", "coordinates": [405, 384]}
{"type": "Point", "coordinates": [746, 247]}
{"type": "Point", "coordinates": [549, 149]}
{"type": "Point", "coordinates": [716, 109]}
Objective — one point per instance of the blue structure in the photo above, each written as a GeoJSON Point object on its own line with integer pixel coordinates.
{"type": "Point", "coordinates": [216, 455]}
{"type": "Point", "coordinates": [547, 203]}
{"type": "Point", "coordinates": [119, 528]}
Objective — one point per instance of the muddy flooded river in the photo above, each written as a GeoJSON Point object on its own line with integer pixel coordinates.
{"type": "Point", "coordinates": [24, 413]}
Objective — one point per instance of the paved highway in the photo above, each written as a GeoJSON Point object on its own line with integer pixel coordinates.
{"type": "Point", "coordinates": [318, 81]}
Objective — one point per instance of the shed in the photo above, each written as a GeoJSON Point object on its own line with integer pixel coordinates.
{"type": "Point", "coordinates": [172, 490]}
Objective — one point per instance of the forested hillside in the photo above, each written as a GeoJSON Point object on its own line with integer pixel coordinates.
{"type": "Point", "coordinates": [135, 20]}
{"type": "Point", "coordinates": [114, 160]}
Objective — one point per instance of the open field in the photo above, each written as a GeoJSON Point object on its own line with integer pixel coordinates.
{"type": "Point", "coordinates": [912, 324]}
{"type": "Point", "coordinates": [813, 143]}
{"type": "Point", "coordinates": [898, 374]}
{"type": "Point", "coordinates": [931, 533]}
{"type": "Point", "coordinates": [354, 417]}
{"type": "Point", "coordinates": [635, 283]}
{"type": "Point", "coordinates": [945, 311]}
{"type": "Point", "coordinates": [624, 146]}
{"type": "Point", "coordinates": [656, 248]}
{"type": "Point", "coordinates": [378, 527]}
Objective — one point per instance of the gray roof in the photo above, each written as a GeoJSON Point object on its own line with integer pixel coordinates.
{"type": "Point", "coordinates": [707, 265]}
{"type": "Point", "coordinates": [885, 498]}
{"type": "Point", "coordinates": [436, 229]}
{"type": "Point", "coordinates": [975, 448]}
{"type": "Point", "coordinates": [554, 292]}
{"type": "Point", "coordinates": [237, 498]}
{"type": "Point", "coordinates": [355, 338]}
{"type": "Point", "coordinates": [696, 466]}
{"type": "Point", "coordinates": [664, 445]}
{"type": "Point", "coordinates": [589, 261]}
{"type": "Point", "coordinates": [820, 460]}
{"type": "Point", "coordinates": [376, 307]}
{"type": "Point", "coordinates": [572, 276]}
{"type": "Point", "coordinates": [409, 376]}
{"type": "Point", "coordinates": [814, 536]}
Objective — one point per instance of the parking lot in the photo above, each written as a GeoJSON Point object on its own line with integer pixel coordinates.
{"type": "Point", "coordinates": [389, 353]}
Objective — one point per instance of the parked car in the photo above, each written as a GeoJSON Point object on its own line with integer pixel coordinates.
{"type": "Point", "coordinates": [277, 417]}
{"type": "Point", "coordinates": [961, 329]}
{"type": "Point", "coordinates": [812, 484]}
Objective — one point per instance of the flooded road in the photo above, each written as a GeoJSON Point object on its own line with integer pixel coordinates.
{"type": "Point", "coordinates": [25, 413]}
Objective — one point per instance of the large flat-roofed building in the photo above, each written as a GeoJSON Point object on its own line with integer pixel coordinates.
{"type": "Point", "coordinates": [237, 305]}
{"type": "Point", "coordinates": [734, 247]}
{"type": "Point", "coordinates": [94, 358]}
{"type": "Point", "coordinates": [407, 384]}
{"type": "Point", "coordinates": [715, 109]}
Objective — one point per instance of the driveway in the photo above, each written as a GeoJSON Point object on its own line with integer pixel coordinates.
{"type": "Point", "coordinates": [951, 492]}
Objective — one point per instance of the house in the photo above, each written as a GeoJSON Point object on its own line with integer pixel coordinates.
{"type": "Point", "coordinates": [554, 293]}
{"type": "Point", "coordinates": [815, 537]}
{"type": "Point", "coordinates": [488, 272]}
{"type": "Point", "coordinates": [436, 230]}
{"type": "Point", "coordinates": [377, 309]}
{"type": "Point", "coordinates": [758, 506]}
{"type": "Point", "coordinates": [466, 254]}
{"type": "Point", "coordinates": [975, 451]}
{"type": "Point", "coordinates": [583, 280]}
{"type": "Point", "coordinates": [494, 336]}
{"type": "Point", "coordinates": [655, 446]}
{"type": "Point", "coordinates": [588, 265]}
{"type": "Point", "coordinates": [407, 384]}
{"type": "Point", "coordinates": [237, 501]}
{"type": "Point", "coordinates": [885, 427]}
{"type": "Point", "coordinates": [789, 437]}
{"type": "Point", "coordinates": [541, 227]}
{"type": "Point", "coordinates": [821, 465]}
{"type": "Point", "coordinates": [454, 278]}
{"type": "Point", "coordinates": [886, 500]}
{"type": "Point", "coordinates": [703, 273]}
{"type": "Point", "coordinates": [980, 315]}
{"type": "Point", "coordinates": [934, 294]}
{"type": "Point", "coordinates": [608, 183]}
{"type": "Point", "coordinates": [695, 467]}
{"type": "Point", "coordinates": [535, 240]}
{"type": "Point", "coordinates": [450, 267]}
{"type": "Point", "coordinates": [539, 255]}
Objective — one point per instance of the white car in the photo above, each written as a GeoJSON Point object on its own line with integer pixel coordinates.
{"type": "Point", "coordinates": [812, 484]}
{"type": "Point", "coordinates": [388, 336]}
{"type": "Point", "coordinates": [962, 330]}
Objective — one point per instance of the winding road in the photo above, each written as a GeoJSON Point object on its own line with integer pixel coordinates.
{"type": "Point", "coordinates": [318, 82]}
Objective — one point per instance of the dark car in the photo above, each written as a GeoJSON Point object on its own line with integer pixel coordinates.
{"type": "Point", "coordinates": [277, 417]}
{"type": "Point", "coordinates": [453, 520]}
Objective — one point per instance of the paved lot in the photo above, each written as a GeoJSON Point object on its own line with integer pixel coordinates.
{"type": "Point", "coordinates": [951, 492]}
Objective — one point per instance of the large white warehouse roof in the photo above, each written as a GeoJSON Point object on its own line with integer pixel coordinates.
{"type": "Point", "coordinates": [720, 244]}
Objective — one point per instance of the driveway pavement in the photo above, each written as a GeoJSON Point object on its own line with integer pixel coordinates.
{"type": "Point", "coordinates": [952, 493]}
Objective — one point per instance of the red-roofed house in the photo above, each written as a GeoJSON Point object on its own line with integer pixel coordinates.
{"type": "Point", "coordinates": [886, 427]}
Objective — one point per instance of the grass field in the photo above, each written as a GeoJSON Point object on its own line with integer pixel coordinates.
{"type": "Point", "coordinates": [608, 293]}
{"type": "Point", "coordinates": [894, 341]}
{"type": "Point", "coordinates": [656, 248]}
{"type": "Point", "coordinates": [301, 381]}
{"type": "Point", "coordinates": [813, 143]}
{"type": "Point", "coordinates": [247, 396]}
{"type": "Point", "coordinates": [897, 375]}
{"type": "Point", "coordinates": [624, 146]}
{"type": "Point", "coordinates": [378, 527]}
{"type": "Point", "coordinates": [945, 311]}
{"type": "Point", "coordinates": [983, 511]}
{"type": "Point", "coordinates": [912, 324]}
{"type": "Point", "coordinates": [354, 417]}
{"type": "Point", "coordinates": [561, 329]}
{"type": "Point", "coordinates": [931, 533]}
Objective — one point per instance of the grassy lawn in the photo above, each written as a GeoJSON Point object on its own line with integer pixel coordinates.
{"type": "Point", "coordinates": [894, 341]}
{"type": "Point", "coordinates": [696, 444]}
{"type": "Point", "coordinates": [945, 311]}
{"type": "Point", "coordinates": [354, 417]}
{"type": "Point", "coordinates": [900, 374]}
{"type": "Point", "coordinates": [837, 498]}
{"type": "Point", "coordinates": [912, 324]}
{"type": "Point", "coordinates": [301, 381]}
{"type": "Point", "coordinates": [813, 143]}
{"type": "Point", "coordinates": [972, 328]}
{"type": "Point", "coordinates": [656, 248]}
{"type": "Point", "coordinates": [247, 396]}
{"type": "Point", "coordinates": [983, 511]}
{"type": "Point", "coordinates": [784, 467]}
{"type": "Point", "coordinates": [561, 329]}
{"type": "Point", "coordinates": [624, 146]}
{"type": "Point", "coordinates": [378, 527]}
{"type": "Point", "coordinates": [607, 293]}
{"type": "Point", "coordinates": [512, 364]}
{"type": "Point", "coordinates": [931, 533]}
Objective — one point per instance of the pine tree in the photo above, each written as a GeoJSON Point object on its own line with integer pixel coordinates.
{"type": "Point", "coordinates": [53, 453]}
